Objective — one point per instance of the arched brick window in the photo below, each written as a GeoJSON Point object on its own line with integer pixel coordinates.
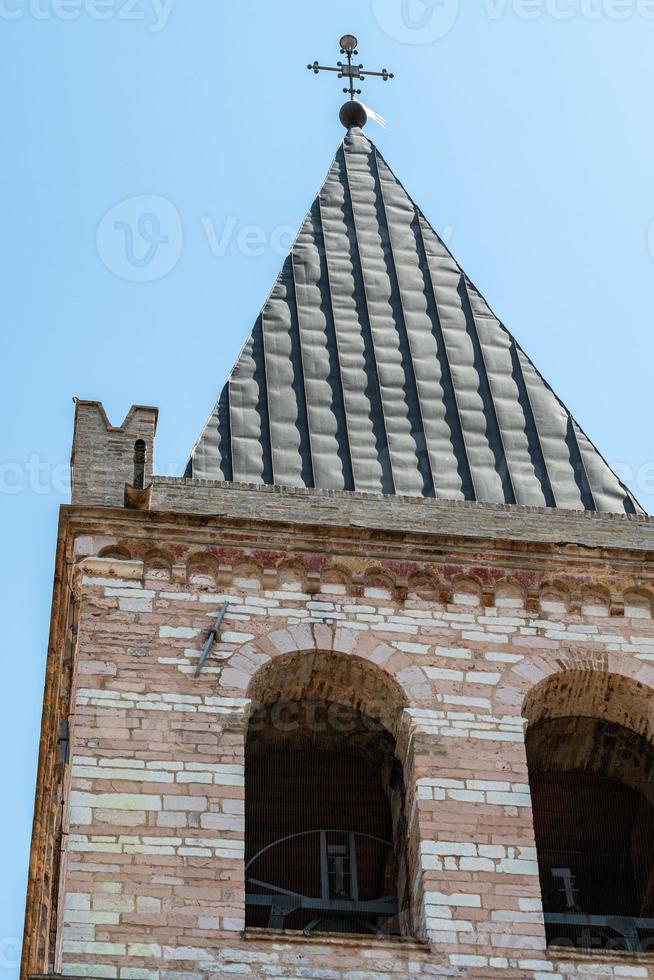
{"type": "Point", "coordinates": [591, 771]}
{"type": "Point", "coordinates": [324, 799]}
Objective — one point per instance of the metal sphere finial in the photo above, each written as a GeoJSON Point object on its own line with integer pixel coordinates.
{"type": "Point", "coordinates": [353, 114]}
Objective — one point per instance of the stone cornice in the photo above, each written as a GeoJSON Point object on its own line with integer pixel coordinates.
{"type": "Point", "coordinates": [400, 528]}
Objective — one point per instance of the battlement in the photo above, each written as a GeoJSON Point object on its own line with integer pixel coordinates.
{"type": "Point", "coordinates": [112, 464]}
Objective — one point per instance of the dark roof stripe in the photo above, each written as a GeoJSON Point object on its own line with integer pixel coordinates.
{"type": "Point", "coordinates": [513, 419]}
{"type": "Point", "coordinates": [413, 408]}
{"type": "Point", "coordinates": [377, 366]}
{"type": "Point", "coordinates": [478, 428]}
{"type": "Point", "coordinates": [373, 280]}
{"type": "Point", "coordinates": [322, 379]}
{"type": "Point", "coordinates": [531, 428]}
{"type": "Point", "coordinates": [449, 394]}
{"type": "Point", "coordinates": [607, 491]}
{"type": "Point", "coordinates": [494, 430]}
{"type": "Point", "coordinates": [289, 435]}
{"type": "Point", "coordinates": [552, 427]}
{"type": "Point", "coordinates": [360, 385]}
{"type": "Point", "coordinates": [419, 356]}
{"type": "Point", "coordinates": [375, 378]}
{"type": "Point", "coordinates": [248, 414]}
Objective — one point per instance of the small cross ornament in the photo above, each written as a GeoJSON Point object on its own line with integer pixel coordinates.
{"type": "Point", "coordinates": [350, 71]}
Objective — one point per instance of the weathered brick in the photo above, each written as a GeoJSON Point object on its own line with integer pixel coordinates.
{"type": "Point", "coordinates": [156, 806]}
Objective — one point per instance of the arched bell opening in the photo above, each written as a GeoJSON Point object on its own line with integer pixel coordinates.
{"type": "Point", "coordinates": [592, 787]}
{"type": "Point", "coordinates": [324, 807]}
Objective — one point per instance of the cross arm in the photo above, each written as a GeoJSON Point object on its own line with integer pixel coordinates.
{"type": "Point", "coordinates": [354, 71]}
{"type": "Point", "coordinates": [378, 74]}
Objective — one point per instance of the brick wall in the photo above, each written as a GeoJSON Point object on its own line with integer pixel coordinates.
{"type": "Point", "coordinates": [153, 875]}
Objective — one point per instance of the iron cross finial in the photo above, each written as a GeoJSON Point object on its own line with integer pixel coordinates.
{"type": "Point", "coordinates": [350, 71]}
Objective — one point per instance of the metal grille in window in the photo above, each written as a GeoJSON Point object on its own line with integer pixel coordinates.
{"type": "Point", "coordinates": [591, 786]}
{"type": "Point", "coordinates": [337, 901]}
{"type": "Point", "coordinates": [324, 826]}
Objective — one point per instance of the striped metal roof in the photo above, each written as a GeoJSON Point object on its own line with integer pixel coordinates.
{"type": "Point", "coordinates": [375, 365]}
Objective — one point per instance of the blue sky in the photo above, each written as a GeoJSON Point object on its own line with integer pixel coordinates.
{"type": "Point", "coordinates": [523, 128]}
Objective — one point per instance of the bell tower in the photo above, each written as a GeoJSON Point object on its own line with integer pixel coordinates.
{"type": "Point", "coordinates": [367, 693]}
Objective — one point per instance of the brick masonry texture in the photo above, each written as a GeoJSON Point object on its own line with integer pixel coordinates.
{"type": "Point", "coordinates": [455, 625]}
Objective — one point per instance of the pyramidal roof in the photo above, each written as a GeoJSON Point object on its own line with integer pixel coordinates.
{"type": "Point", "coordinates": [377, 366]}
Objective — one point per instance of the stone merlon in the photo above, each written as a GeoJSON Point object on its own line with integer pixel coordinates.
{"type": "Point", "coordinates": [102, 459]}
